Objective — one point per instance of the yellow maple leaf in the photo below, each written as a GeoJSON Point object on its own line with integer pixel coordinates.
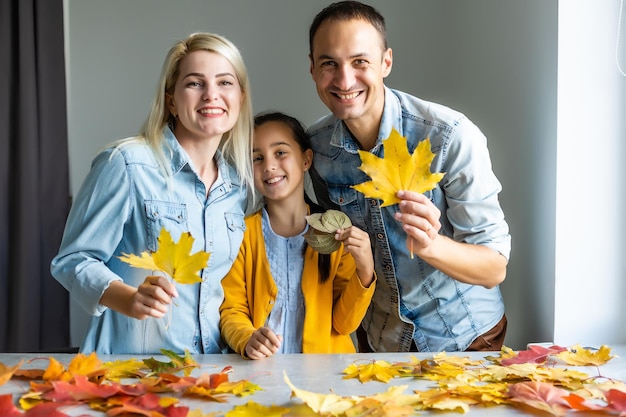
{"type": "Point", "coordinates": [255, 409]}
{"type": "Point", "coordinates": [579, 356]}
{"type": "Point", "coordinates": [240, 388]}
{"type": "Point", "coordinates": [128, 368]}
{"type": "Point", "coordinates": [200, 413]}
{"type": "Point", "coordinates": [379, 370]}
{"type": "Point", "coordinates": [397, 170]}
{"type": "Point", "coordinates": [325, 404]}
{"type": "Point", "coordinates": [175, 259]}
{"type": "Point", "coordinates": [82, 364]}
{"type": "Point", "coordinates": [56, 371]}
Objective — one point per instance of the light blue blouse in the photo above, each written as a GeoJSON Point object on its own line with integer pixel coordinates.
{"type": "Point", "coordinates": [286, 258]}
{"type": "Point", "coordinates": [121, 207]}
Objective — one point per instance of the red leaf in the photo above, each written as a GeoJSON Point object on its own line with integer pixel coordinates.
{"type": "Point", "coordinates": [80, 390]}
{"type": "Point", "coordinates": [146, 405]}
{"type": "Point", "coordinates": [534, 354]}
{"type": "Point", "coordinates": [616, 400]}
{"type": "Point", "coordinates": [540, 395]}
{"type": "Point", "coordinates": [7, 408]}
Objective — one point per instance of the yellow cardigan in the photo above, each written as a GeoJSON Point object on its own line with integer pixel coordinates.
{"type": "Point", "coordinates": [334, 309]}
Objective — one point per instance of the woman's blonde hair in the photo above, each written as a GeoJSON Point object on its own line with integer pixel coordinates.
{"type": "Point", "coordinates": [236, 144]}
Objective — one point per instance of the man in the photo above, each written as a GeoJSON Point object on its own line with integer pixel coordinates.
{"type": "Point", "coordinates": [440, 255]}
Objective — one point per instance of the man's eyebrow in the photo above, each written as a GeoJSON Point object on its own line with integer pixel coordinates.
{"type": "Point", "coordinates": [357, 55]}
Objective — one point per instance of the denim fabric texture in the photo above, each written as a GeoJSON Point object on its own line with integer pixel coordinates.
{"type": "Point", "coordinates": [121, 207]}
{"type": "Point", "coordinates": [414, 301]}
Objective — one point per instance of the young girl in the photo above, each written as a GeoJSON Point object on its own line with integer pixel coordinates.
{"type": "Point", "coordinates": [281, 296]}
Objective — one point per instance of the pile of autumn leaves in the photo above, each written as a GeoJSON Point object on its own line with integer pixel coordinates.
{"type": "Point", "coordinates": [87, 380]}
{"type": "Point", "coordinates": [529, 379]}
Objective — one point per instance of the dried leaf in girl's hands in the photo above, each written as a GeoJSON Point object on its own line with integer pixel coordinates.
{"type": "Point", "coordinates": [397, 170]}
{"type": "Point", "coordinates": [322, 228]}
{"type": "Point", "coordinates": [175, 259]}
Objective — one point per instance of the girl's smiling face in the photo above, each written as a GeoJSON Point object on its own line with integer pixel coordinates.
{"type": "Point", "coordinates": [279, 162]}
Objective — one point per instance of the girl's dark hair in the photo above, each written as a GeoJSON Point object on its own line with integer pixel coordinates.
{"type": "Point", "coordinates": [304, 141]}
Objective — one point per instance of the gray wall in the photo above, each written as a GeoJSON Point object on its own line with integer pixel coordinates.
{"type": "Point", "coordinates": [495, 60]}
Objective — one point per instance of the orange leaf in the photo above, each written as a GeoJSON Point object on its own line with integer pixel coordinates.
{"type": "Point", "coordinates": [6, 372]}
{"type": "Point", "coordinates": [82, 364]}
{"type": "Point", "coordinates": [56, 371]}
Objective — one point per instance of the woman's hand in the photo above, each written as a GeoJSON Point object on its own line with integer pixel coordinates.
{"type": "Point", "coordinates": [151, 299]}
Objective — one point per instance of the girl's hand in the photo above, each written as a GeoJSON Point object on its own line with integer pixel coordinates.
{"type": "Point", "coordinates": [357, 243]}
{"type": "Point", "coordinates": [263, 343]}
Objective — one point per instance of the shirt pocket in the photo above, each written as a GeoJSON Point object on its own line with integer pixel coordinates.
{"type": "Point", "coordinates": [164, 214]}
{"type": "Point", "coordinates": [347, 199]}
{"type": "Point", "coordinates": [236, 226]}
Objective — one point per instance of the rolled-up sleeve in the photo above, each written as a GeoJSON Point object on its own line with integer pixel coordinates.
{"type": "Point", "coordinates": [472, 189]}
{"type": "Point", "coordinates": [93, 231]}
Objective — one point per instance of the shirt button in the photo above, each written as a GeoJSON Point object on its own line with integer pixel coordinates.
{"type": "Point", "coordinates": [379, 235]}
{"type": "Point", "coordinates": [341, 200]}
{"type": "Point", "coordinates": [373, 203]}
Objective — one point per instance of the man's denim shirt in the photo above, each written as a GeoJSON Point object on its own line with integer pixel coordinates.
{"type": "Point", "coordinates": [121, 207]}
{"type": "Point", "coordinates": [414, 301]}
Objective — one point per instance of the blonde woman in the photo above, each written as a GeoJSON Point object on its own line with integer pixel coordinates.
{"type": "Point", "coordinates": [188, 170]}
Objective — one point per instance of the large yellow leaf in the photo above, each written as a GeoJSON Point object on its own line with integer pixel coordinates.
{"type": "Point", "coordinates": [175, 259]}
{"type": "Point", "coordinates": [397, 170]}
{"type": "Point", "coordinates": [324, 404]}
{"type": "Point", "coordinates": [253, 409]}
{"type": "Point", "coordinates": [579, 356]}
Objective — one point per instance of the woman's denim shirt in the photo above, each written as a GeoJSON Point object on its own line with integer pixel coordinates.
{"type": "Point", "coordinates": [413, 300]}
{"type": "Point", "coordinates": [121, 207]}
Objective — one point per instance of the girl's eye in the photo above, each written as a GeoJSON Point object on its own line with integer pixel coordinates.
{"type": "Point", "coordinates": [194, 84]}
{"type": "Point", "coordinates": [257, 158]}
{"type": "Point", "coordinates": [226, 82]}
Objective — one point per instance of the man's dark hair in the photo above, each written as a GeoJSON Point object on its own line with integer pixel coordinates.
{"type": "Point", "coordinates": [349, 10]}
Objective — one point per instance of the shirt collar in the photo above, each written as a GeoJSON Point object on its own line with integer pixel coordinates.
{"type": "Point", "coordinates": [178, 159]}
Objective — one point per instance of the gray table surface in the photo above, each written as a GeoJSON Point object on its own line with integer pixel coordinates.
{"type": "Point", "coordinates": [318, 373]}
